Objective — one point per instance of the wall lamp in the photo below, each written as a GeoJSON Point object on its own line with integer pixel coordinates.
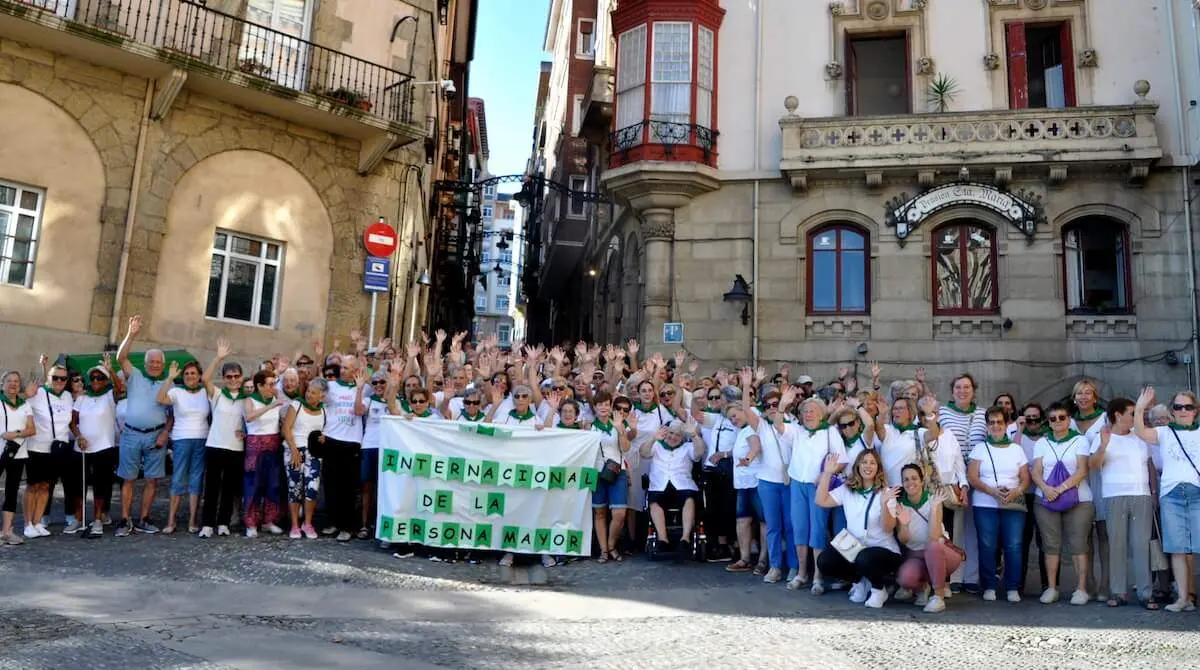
{"type": "Point", "coordinates": [740, 292]}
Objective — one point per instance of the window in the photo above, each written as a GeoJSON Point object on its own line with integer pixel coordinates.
{"type": "Point", "coordinates": [505, 279]}
{"type": "Point", "coordinates": [877, 80]}
{"type": "Point", "coordinates": [671, 77]}
{"type": "Point", "coordinates": [964, 271]}
{"type": "Point", "coordinates": [487, 211]}
{"type": "Point", "coordinates": [504, 334]}
{"type": "Point", "coordinates": [282, 58]}
{"type": "Point", "coordinates": [576, 115]}
{"type": "Point", "coordinates": [489, 191]}
{"type": "Point", "coordinates": [585, 46]}
{"type": "Point", "coordinates": [487, 258]}
{"type": "Point", "coordinates": [837, 271]}
{"type": "Point", "coordinates": [704, 78]}
{"type": "Point", "coordinates": [631, 77]}
{"type": "Point", "coordinates": [1097, 267]}
{"type": "Point", "coordinates": [244, 279]}
{"type": "Point", "coordinates": [505, 258]}
{"type": "Point", "coordinates": [1041, 65]}
{"type": "Point", "coordinates": [480, 302]}
{"type": "Point", "coordinates": [578, 207]}
{"type": "Point", "coordinates": [20, 214]}
{"type": "Point", "coordinates": [501, 303]}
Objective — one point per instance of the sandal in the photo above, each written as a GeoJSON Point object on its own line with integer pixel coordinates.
{"type": "Point", "coordinates": [193, 529]}
{"type": "Point", "coordinates": [616, 556]}
{"type": "Point", "coordinates": [761, 569]}
{"type": "Point", "coordinates": [739, 566]}
{"type": "Point", "coordinates": [603, 558]}
{"type": "Point", "coordinates": [363, 533]}
{"type": "Point", "coordinates": [1117, 602]}
{"type": "Point", "coordinates": [169, 530]}
{"type": "Point", "coordinates": [1151, 605]}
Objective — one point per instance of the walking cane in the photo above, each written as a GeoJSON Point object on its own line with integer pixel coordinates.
{"type": "Point", "coordinates": [85, 531]}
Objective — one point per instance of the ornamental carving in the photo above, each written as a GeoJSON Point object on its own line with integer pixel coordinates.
{"type": "Point", "coordinates": [833, 70]}
{"type": "Point", "coordinates": [991, 62]}
{"type": "Point", "coordinates": [878, 10]}
{"type": "Point", "coordinates": [925, 65]}
{"type": "Point", "coordinates": [658, 226]}
{"type": "Point", "coordinates": [836, 8]}
{"type": "Point", "coordinates": [1089, 58]}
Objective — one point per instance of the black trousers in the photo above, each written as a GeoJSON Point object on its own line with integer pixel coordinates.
{"type": "Point", "coordinates": [13, 468]}
{"type": "Point", "coordinates": [340, 475]}
{"type": "Point", "coordinates": [224, 470]}
{"type": "Point", "coordinates": [100, 474]}
{"type": "Point", "coordinates": [876, 564]}
{"type": "Point", "coordinates": [720, 505]}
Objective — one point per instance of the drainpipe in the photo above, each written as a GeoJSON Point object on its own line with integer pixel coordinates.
{"type": "Point", "coordinates": [758, 58]}
{"type": "Point", "coordinates": [114, 328]}
{"type": "Point", "coordinates": [1186, 183]}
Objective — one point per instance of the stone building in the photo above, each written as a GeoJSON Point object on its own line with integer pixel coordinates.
{"type": "Point", "coordinates": [1002, 187]}
{"type": "Point", "coordinates": [213, 166]}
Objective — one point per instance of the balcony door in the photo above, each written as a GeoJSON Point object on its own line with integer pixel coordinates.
{"type": "Point", "coordinates": [274, 42]}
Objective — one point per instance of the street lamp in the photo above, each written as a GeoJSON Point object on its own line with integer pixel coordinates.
{"type": "Point", "coordinates": [740, 292]}
{"type": "Point", "coordinates": [424, 279]}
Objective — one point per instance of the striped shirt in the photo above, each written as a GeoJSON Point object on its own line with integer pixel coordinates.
{"type": "Point", "coordinates": [969, 428]}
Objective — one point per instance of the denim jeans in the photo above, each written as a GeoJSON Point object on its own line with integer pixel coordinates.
{"type": "Point", "coordinates": [810, 521]}
{"type": "Point", "coordinates": [188, 476]}
{"type": "Point", "coordinates": [1003, 529]}
{"type": "Point", "coordinates": [776, 507]}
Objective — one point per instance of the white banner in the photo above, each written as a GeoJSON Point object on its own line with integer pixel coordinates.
{"type": "Point", "coordinates": [474, 486]}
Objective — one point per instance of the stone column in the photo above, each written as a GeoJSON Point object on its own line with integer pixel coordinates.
{"type": "Point", "coordinates": [658, 234]}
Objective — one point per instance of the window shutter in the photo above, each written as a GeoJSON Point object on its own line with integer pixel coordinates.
{"type": "Point", "coordinates": [849, 76]}
{"type": "Point", "coordinates": [1018, 68]}
{"type": "Point", "coordinates": [1068, 62]}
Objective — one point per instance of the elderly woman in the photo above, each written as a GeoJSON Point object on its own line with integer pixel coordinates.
{"type": "Point", "coordinates": [676, 447]}
{"type": "Point", "coordinates": [1057, 518]}
{"type": "Point", "coordinates": [18, 428]}
{"type": "Point", "coordinates": [929, 556]}
{"type": "Point", "coordinates": [768, 444]}
{"type": "Point", "coordinates": [381, 397]}
{"type": "Point", "coordinates": [223, 453]}
{"type": "Point", "coordinates": [746, 456]}
{"type": "Point", "coordinates": [720, 500]}
{"type": "Point", "coordinates": [963, 419]}
{"type": "Point", "coordinates": [96, 417]}
{"type": "Point", "coordinates": [999, 476]}
{"type": "Point", "coordinates": [869, 520]}
{"type": "Point", "coordinates": [304, 417]}
{"type": "Point", "coordinates": [811, 441]}
{"type": "Point", "coordinates": [262, 410]}
{"type": "Point", "coordinates": [612, 491]}
{"type": "Point", "coordinates": [900, 439]}
{"type": "Point", "coordinates": [190, 408]}
{"type": "Point", "coordinates": [50, 448]}
{"type": "Point", "coordinates": [1089, 419]}
{"type": "Point", "coordinates": [521, 414]}
{"type": "Point", "coordinates": [1179, 489]}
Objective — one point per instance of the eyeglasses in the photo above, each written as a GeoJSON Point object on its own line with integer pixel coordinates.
{"type": "Point", "coordinates": [849, 424]}
{"type": "Point", "coordinates": [59, 378]}
{"type": "Point", "coordinates": [331, 375]}
{"type": "Point", "coordinates": [419, 401]}
{"type": "Point", "coordinates": [773, 405]}
{"type": "Point", "coordinates": [471, 402]}
{"type": "Point", "coordinates": [98, 378]}
{"type": "Point", "coordinates": [1033, 419]}
{"type": "Point", "coordinates": [558, 388]}
{"type": "Point", "coordinates": [1177, 408]}
{"type": "Point", "coordinates": [377, 382]}
{"type": "Point", "coordinates": [665, 394]}
{"type": "Point", "coordinates": [233, 376]}
{"type": "Point", "coordinates": [713, 398]}
{"type": "Point", "coordinates": [522, 395]}
{"type": "Point", "coordinates": [1058, 418]}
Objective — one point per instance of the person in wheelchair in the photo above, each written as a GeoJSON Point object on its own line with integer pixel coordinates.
{"type": "Point", "coordinates": [676, 448]}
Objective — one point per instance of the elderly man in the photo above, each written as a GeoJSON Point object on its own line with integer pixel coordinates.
{"type": "Point", "coordinates": [343, 443]}
{"type": "Point", "coordinates": [144, 439]}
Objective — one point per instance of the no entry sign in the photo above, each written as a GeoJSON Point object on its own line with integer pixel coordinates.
{"type": "Point", "coordinates": [380, 239]}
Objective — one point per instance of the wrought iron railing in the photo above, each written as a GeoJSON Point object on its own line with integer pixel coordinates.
{"type": "Point", "coordinates": [668, 134]}
{"type": "Point", "coordinates": [199, 37]}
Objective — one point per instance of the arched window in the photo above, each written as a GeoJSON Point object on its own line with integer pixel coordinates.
{"type": "Point", "coordinates": [964, 269]}
{"type": "Point", "coordinates": [838, 271]}
{"type": "Point", "coordinates": [1096, 272]}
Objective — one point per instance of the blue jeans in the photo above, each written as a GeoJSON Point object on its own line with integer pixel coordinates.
{"type": "Point", "coordinates": [139, 451]}
{"type": "Point", "coordinates": [810, 521]}
{"type": "Point", "coordinates": [776, 508]}
{"type": "Point", "coordinates": [1003, 529]}
{"type": "Point", "coordinates": [188, 457]}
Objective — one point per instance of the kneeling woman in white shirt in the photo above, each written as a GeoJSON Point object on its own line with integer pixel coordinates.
{"type": "Point", "coordinates": [869, 520]}
{"type": "Point", "coordinates": [930, 556]}
{"type": "Point", "coordinates": [671, 484]}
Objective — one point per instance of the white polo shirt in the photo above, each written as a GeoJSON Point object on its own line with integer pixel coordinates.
{"type": "Point", "coordinates": [672, 466]}
{"type": "Point", "coordinates": [43, 404]}
{"type": "Point", "coordinates": [97, 421]}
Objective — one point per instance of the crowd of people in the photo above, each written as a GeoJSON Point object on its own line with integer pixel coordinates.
{"type": "Point", "coordinates": [888, 493]}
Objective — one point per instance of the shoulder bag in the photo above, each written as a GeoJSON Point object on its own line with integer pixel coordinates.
{"type": "Point", "coordinates": [317, 447]}
{"type": "Point", "coordinates": [1058, 475]}
{"type": "Point", "coordinates": [787, 480]}
{"type": "Point", "coordinates": [945, 537]}
{"type": "Point", "coordinates": [10, 446]}
{"type": "Point", "coordinates": [1019, 505]}
{"type": "Point", "coordinates": [611, 469]}
{"type": "Point", "coordinates": [1184, 450]}
{"type": "Point", "coordinates": [846, 543]}
{"type": "Point", "coordinates": [933, 477]}
{"type": "Point", "coordinates": [58, 448]}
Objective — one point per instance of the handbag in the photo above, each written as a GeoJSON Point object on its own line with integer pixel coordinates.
{"type": "Point", "coordinates": [10, 446]}
{"type": "Point", "coordinates": [962, 554]}
{"type": "Point", "coordinates": [1158, 558]}
{"type": "Point", "coordinates": [1019, 505]}
{"type": "Point", "coordinates": [1058, 475]}
{"type": "Point", "coordinates": [318, 448]}
{"type": "Point", "coordinates": [58, 448]}
{"type": "Point", "coordinates": [609, 471]}
{"type": "Point", "coordinates": [933, 477]}
{"type": "Point", "coordinates": [846, 543]}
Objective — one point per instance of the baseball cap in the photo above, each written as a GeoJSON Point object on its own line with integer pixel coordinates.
{"type": "Point", "coordinates": [804, 379]}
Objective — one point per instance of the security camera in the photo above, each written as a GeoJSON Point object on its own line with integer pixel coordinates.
{"type": "Point", "coordinates": [448, 89]}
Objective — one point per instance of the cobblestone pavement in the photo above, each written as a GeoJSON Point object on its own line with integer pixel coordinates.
{"type": "Point", "coordinates": [182, 602]}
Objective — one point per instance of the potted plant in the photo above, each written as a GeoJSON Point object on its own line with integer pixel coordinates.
{"type": "Point", "coordinates": [254, 66]}
{"type": "Point", "coordinates": [941, 92]}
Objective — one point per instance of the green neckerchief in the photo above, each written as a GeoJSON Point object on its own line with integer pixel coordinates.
{"type": "Point", "coordinates": [645, 409]}
{"type": "Point", "coordinates": [1040, 432]}
{"type": "Point", "coordinates": [563, 425]}
{"type": "Point", "coordinates": [294, 396]}
{"type": "Point", "coordinates": [521, 417]}
{"type": "Point", "coordinates": [257, 397]}
{"type": "Point", "coordinates": [1078, 416]}
{"type": "Point", "coordinates": [56, 395]}
{"type": "Point", "coordinates": [813, 431]}
{"type": "Point", "coordinates": [1070, 435]}
{"type": "Point", "coordinates": [349, 385]}
{"type": "Point", "coordinates": [312, 408]}
{"type": "Point", "coordinates": [951, 406]}
{"type": "Point", "coordinates": [917, 505]}
{"type": "Point", "coordinates": [193, 389]}
{"type": "Point", "coordinates": [424, 415]}
{"type": "Point", "coordinates": [711, 411]}
{"type": "Point", "coordinates": [225, 392]}
{"type": "Point", "coordinates": [405, 406]}
{"type": "Point", "coordinates": [12, 403]}
{"type": "Point", "coordinates": [462, 413]}
{"type": "Point", "coordinates": [851, 440]}
{"type": "Point", "coordinates": [1000, 442]}
{"type": "Point", "coordinates": [1179, 427]}
{"type": "Point", "coordinates": [863, 492]}
{"type": "Point", "coordinates": [904, 429]}
{"type": "Point", "coordinates": [606, 428]}
{"type": "Point", "coordinates": [669, 447]}
{"type": "Point", "coordinates": [96, 394]}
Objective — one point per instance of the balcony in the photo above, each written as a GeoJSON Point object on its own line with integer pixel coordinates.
{"type": "Point", "coordinates": [184, 44]}
{"type": "Point", "coordinates": [1046, 142]}
{"type": "Point", "coordinates": [652, 140]}
{"type": "Point", "coordinates": [598, 105]}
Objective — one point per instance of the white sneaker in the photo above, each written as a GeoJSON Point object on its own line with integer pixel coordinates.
{"type": "Point", "coordinates": [96, 529]}
{"type": "Point", "coordinates": [946, 593]}
{"type": "Point", "coordinates": [773, 576]}
{"type": "Point", "coordinates": [31, 531]}
{"type": "Point", "coordinates": [903, 594]}
{"type": "Point", "coordinates": [794, 583]}
{"type": "Point", "coordinates": [922, 598]}
{"type": "Point", "coordinates": [1049, 596]}
{"type": "Point", "coordinates": [818, 589]}
{"type": "Point", "coordinates": [1014, 596]}
{"type": "Point", "coordinates": [42, 530]}
{"type": "Point", "coordinates": [548, 561]}
{"type": "Point", "coordinates": [935, 605]}
{"type": "Point", "coordinates": [206, 531]}
{"type": "Point", "coordinates": [223, 530]}
{"type": "Point", "coordinates": [1080, 598]}
{"type": "Point", "coordinates": [506, 560]}
{"type": "Point", "coordinates": [72, 527]}
{"type": "Point", "coordinates": [859, 593]}
{"type": "Point", "coordinates": [273, 529]}
{"type": "Point", "coordinates": [251, 532]}
{"type": "Point", "coordinates": [877, 599]}
{"type": "Point", "coordinates": [989, 595]}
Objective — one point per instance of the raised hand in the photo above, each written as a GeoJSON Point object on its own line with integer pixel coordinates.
{"type": "Point", "coordinates": [746, 376]}
{"type": "Point", "coordinates": [920, 375]}
{"type": "Point", "coordinates": [440, 335]}
{"type": "Point", "coordinates": [842, 372]}
{"type": "Point", "coordinates": [1146, 398]}
{"type": "Point", "coordinates": [632, 347]}
{"type": "Point", "coordinates": [875, 370]}
{"type": "Point", "coordinates": [831, 463]}
{"type": "Point", "coordinates": [384, 344]}
{"type": "Point", "coordinates": [693, 366]}
{"type": "Point", "coordinates": [680, 357]}
{"type": "Point", "coordinates": [107, 361]}
{"type": "Point", "coordinates": [413, 349]}
{"type": "Point", "coordinates": [43, 361]}
{"type": "Point", "coordinates": [362, 377]}
{"type": "Point", "coordinates": [355, 335]}
{"type": "Point", "coordinates": [318, 349]}
{"type": "Point", "coordinates": [135, 325]}
{"type": "Point", "coordinates": [173, 371]}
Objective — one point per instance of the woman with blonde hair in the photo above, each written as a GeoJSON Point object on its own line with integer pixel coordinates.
{"type": "Point", "coordinates": [1089, 420]}
{"type": "Point", "coordinates": [811, 441]}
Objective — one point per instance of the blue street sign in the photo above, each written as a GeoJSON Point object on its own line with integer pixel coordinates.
{"type": "Point", "coordinates": [672, 333]}
{"type": "Point", "coordinates": [376, 274]}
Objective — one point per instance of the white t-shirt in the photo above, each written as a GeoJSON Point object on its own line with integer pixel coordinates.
{"type": "Point", "coordinates": [343, 424]}
{"type": "Point", "coordinates": [809, 449]}
{"type": "Point", "coordinates": [15, 420]}
{"type": "Point", "coordinates": [718, 433]}
{"type": "Point", "coordinates": [773, 464]}
{"type": "Point", "coordinates": [1069, 451]}
{"type": "Point", "coordinates": [856, 447]}
{"type": "Point", "coordinates": [899, 449]}
{"type": "Point", "coordinates": [918, 523]}
{"type": "Point", "coordinates": [1176, 469]}
{"type": "Point", "coordinates": [305, 423]}
{"type": "Point", "coordinates": [744, 476]}
{"type": "Point", "coordinates": [610, 444]}
{"type": "Point", "coordinates": [1124, 472]}
{"type": "Point", "coordinates": [1007, 472]}
{"type": "Point", "coordinates": [672, 466]}
{"type": "Point", "coordinates": [97, 421]}
{"type": "Point", "coordinates": [228, 420]}
{"type": "Point", "coordinates": [854, 503]}
{"type": "Point", "coordinates": [1092, 435]}
{"type": "Point", "coordinates": [62, 407]}
{"type": "Point", "coordinates": [191, 413]}
{"type": "Point", "coordinates": [647, 424]}
{"type": "Point", "coordinates": [267, 423]}
{"type": "Point", "coordinates": [376, 410]}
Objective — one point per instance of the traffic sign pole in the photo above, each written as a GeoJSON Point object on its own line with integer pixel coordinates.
{"type": "Point", "coordinates": [371, 323]}
{"type": "Point", "coordinates": [380, 241]}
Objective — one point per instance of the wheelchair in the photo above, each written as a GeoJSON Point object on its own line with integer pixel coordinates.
{"type": "Point", "coordinates": [657, 550]}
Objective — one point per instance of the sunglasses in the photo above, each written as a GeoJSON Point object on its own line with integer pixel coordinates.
{"type": "Point", "coordinates": [1177, 408]}
{"type": "Point", "coordinates": [1033, 419]}
{"type": "Point", "coordinates": [377, 382]}
{"type": "Point", "coordinates": [849, 424]}
{"type": "Point", "coordinates": [522, 395]}
{"type": "Point", "coordinates": [622, 408]}
{"type": "Point", "coordinates": [773, 404]}
{"type": "Point", "coordinates": [713, 398]}
{"type": "Point", "coordinates": [331, 375]}
{"type": "Point", "coordinates": [233, 376]}
{"type": "Point", "coordinates": [558, 388]}
{"type": "Point", "coordinates": [471, 402]}
{"type": "Point", "coordinates": [665, 394]}
{"type": "Point", "coordinates": [59, 378]}
{"type": "Point", "coordinates": [1057, 418]}
{"type": "Point", "coordinates": [98, 378]}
